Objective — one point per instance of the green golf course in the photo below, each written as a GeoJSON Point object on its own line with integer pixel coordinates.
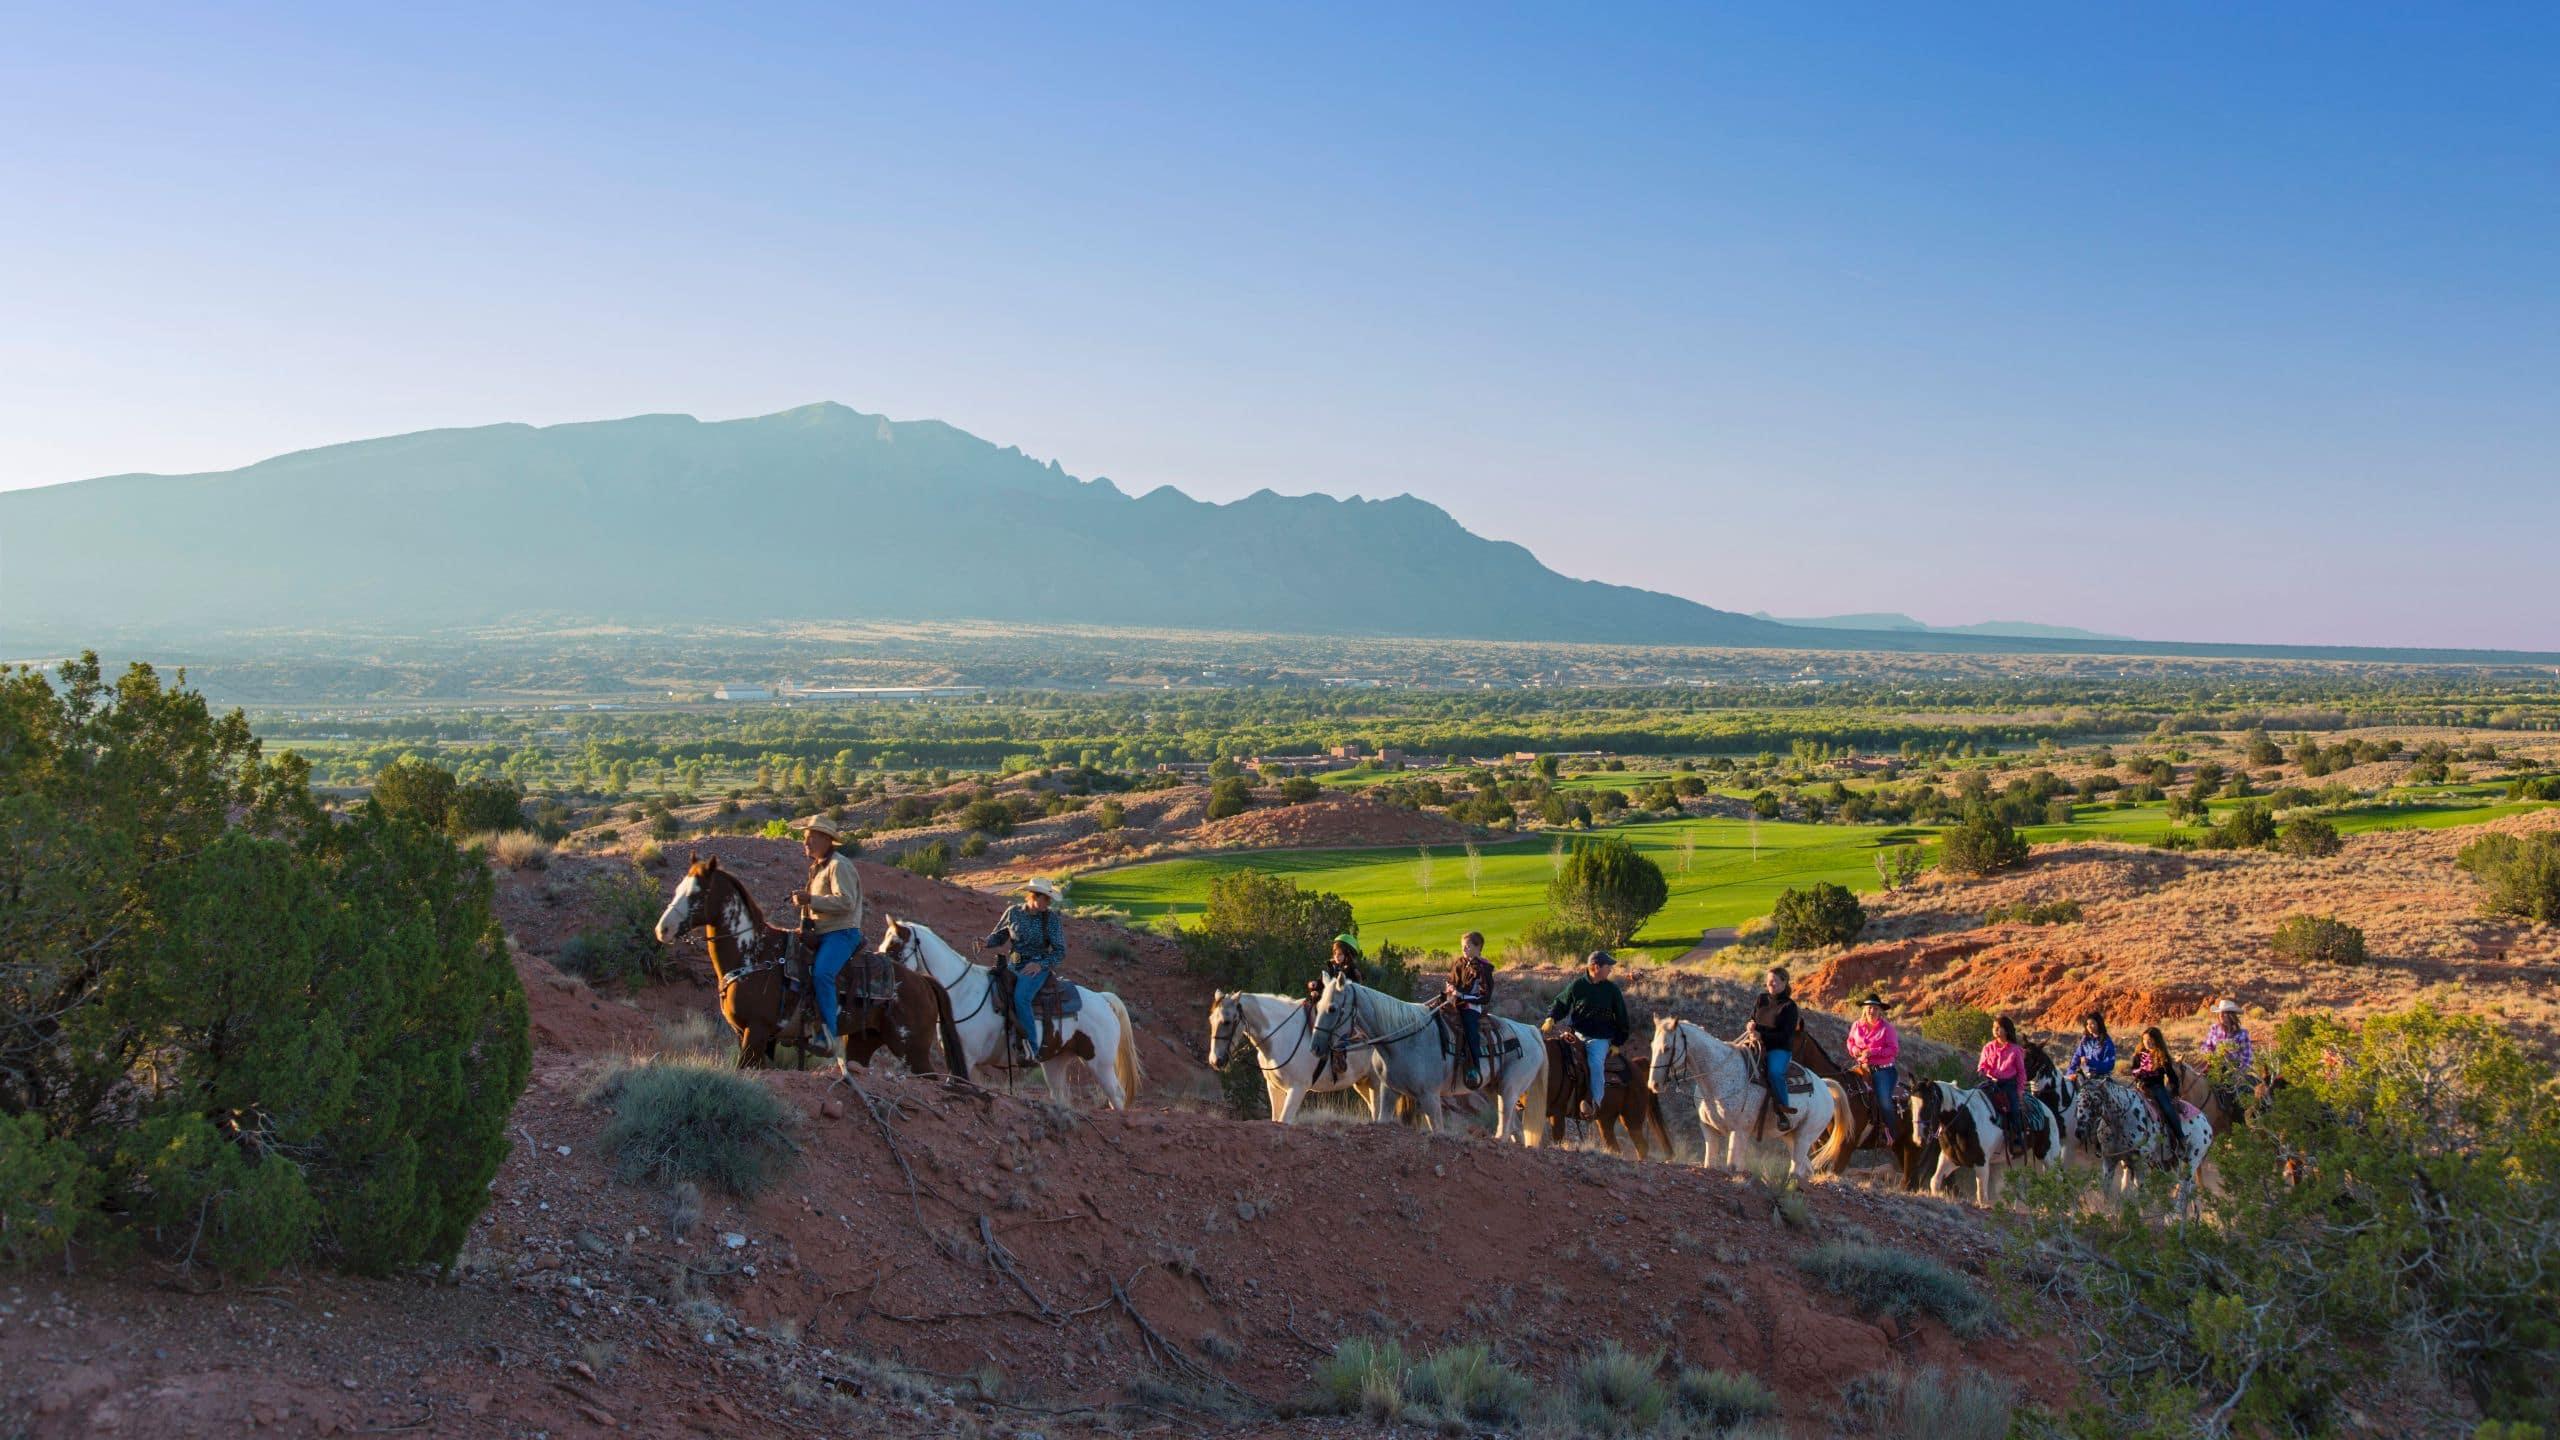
{"type": "Point", "coordinates": [1721, 871]}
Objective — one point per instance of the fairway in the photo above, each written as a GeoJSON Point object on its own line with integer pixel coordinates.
{"type": "Point", "coordinates": [1722, 882]}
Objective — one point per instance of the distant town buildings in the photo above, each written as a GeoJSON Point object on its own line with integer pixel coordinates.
{"type": "Point", "coordinates": [741, 692]}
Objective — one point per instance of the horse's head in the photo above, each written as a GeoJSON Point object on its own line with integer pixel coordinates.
{"type": "Point", "coordinates": [897, 939]}
{"type": "Point", "coordinates": [693, 907]}
{"type": "Point", "coordinates": [1226, 1017]}
{"type": "Point", "coordinates": [1928, 1106]}
{"type": "Point", "coordinates": [1667, 1042]}
{"type": "Point", "coordinates": [1336, 1007]}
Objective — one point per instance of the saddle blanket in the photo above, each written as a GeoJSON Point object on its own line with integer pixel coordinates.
{"type": "Point", "coordinates": [2187, 1112]}
{"type": "Point", "coordinates": [1799, 1079]}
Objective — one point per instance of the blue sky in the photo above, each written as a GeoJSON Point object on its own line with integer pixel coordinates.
{"type": "Point", "coordinates": [2193, 322]}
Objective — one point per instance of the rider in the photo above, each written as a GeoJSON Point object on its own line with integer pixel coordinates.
{"type": "Point", "coordinates": [2094, 1058]}
{"type": "Point", "coordinates": [2003, 1064]}
{"type": "Point", "coordinates": [2229, 1034]}
{"type": "Point", "coordinates": [1467, 991]}
{"type": "Point", "coordinates": [2151, 1069]}
{"type": "Point", "coordinates": [1038, 938]}
{"type": "Point", "coordinates": [1597, 1011]}
{"type": "Point", "coordinates": [1773, 1023]}
{"type": "Point", "coordinates": [1343, 962]}
{"type": "Point", "coordinates": [1876, 1047]}
{"type": "Point", "coordinates": [833, 903]}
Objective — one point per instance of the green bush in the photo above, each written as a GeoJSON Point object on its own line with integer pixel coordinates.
{"type": "Point", "coordinates": [1723, 1398]}
{"type": "Point", "coordinates": [622, 947]}
{"type": "Point", "coordinates": [1981, 844]}
{"type": "Point", "coordinates": [479, 806]}
{"type": "Point", "coordinates": [973, 845]}
{"type": "Point", "coordinates": [1606, 887]}
{"type": "Point", "coordinates": [932, 860]}
{"type": "Point", "coordinates": [2249, 826]}
{"type": "Point", "coordinates": [2317, 940]}
{"type": "Point", "coordinates": [2521, 873]}
{"type": "Point", "coordinates": [1964, 1028]}
{"type": "Point", "coordinates": [1821, 914]}
{"type": "Point", "coordinates": [1924, 1405]}
{"type": "Point", "coordinates": [991, 816]}
{"type": "Point", "coordinates": [694, 1119]}
{"type": "Point", "coordinates": [2309, 838]}
{"type": "Point", "coordinates": [1465, 1385]}
{"type": "Point", "coordinates": [1109, 816]}
{"type": "Point", "coordinates": [1230, 796]}
{"type": "Point", "coordinates": [1298, 790]}
{"type": "Point", "coordinates": [412, 789]}
{"type": "Point", "coordinates": [1887, 1281]}
{"type": "Point", "coordinates": [2065, 911]}
{"type": "Point", "coordinates": [1616, 1392]}
{"type": "Point", "coordinates": [1262, 932]}
{"type": "Point", "coordinates": [264, 1037]}
{"type": "Point", "coordinates": [1560, 939]}
{"type": "Point", "coordinates": [1360, 1377]}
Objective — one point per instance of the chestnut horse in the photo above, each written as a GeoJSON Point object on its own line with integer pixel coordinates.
{"type": "Point", "coordinates": [748, 954]}
{"type": "Point", "coordinates": [1631, 1103]}
{"type": "Point", "coordinates": [1861, 1127]}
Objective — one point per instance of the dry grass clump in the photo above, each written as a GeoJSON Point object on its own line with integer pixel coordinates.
{"type": "Point", "coordinates": [1924, 1405]}
{"type": "Point", "coordinates": [689, 1119]}
{"type": "Point", "coordinates": [1899, 1283]}
{"type": "Point", "coordinates": [514, 849]}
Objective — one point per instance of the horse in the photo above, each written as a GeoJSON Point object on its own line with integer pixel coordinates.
{"type": "Point", "coordinates": [1098, 1034]}
{"type": "Point", "coordinates": [2114, 1127]}
{"type": "Point", "coordinates": [747, 955]}
{"type": "Point", "coordinates": [1729, 1100]}
{"type": "Point", "coordinates": [1860, 1126]}
{"type": "Point", "coordinates": [1281, 1028]}
{"type": "Point", "coordinates": [2224, 1108]}
{"type": "Point", "coordinates": [1631, 1103]}
{"type": "Point", "coordinates": [1414, 1058]}
{"type": "Point", "coordinates": [1968, 1133]}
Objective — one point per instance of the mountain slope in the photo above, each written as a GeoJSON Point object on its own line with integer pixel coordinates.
{"type": "Point", "coordinates": [1895, 620]}
{"type": "Point", "coordinates": [821, 512]}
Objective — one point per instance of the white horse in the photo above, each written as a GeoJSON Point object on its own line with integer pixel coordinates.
{"type": "Point", "coordinates": [1968, 1132]}
{"type": "Point", "coordinates": [979, 998]}
{"type": "Point", "coordinates": [1412, 1061]}
{"type": "Point", "coordinates": [1281, 1029]}
{"type": "Point", "coordinates": [1729, 1099]}
{"type": "Point", "coordinates": [2115, 1128]}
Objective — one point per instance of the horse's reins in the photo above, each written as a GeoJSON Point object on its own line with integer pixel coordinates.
{"type": "Point", "coordinates": [1263, 1048]}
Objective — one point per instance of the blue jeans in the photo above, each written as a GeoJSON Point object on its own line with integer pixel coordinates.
{"type": "Point", "coordinates": [1884, 1077]}
{"type": "Point", "coordinates": [1027, 983]}
{"type": "Point", "coordinates": [1778, 1077]}
{"type": "Point", "coordinates": [1598, 1050]}
{"type": "Point", "coordinates": [834, 949]}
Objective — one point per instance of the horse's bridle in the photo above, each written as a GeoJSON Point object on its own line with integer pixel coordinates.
{"type": "Point", "coordinates": [1262, 1051]}
{"type": "Point", "coordinates": [727, 979]}
{"type": "Point", "coordinates": [907, 947]}
{"type": "Point", "coordinates": [1673, 1060]}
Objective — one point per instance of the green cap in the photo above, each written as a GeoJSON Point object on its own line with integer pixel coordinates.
{"type": "Point", "coordinates": [1347, 943]}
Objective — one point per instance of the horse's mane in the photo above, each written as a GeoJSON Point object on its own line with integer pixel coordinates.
{"type": "Point", "coordinates": [1408, 1009]}
{"type": "Point", "coordinates": [1806, 1040]}
{"type": "Point", "coordinates": [755, 912]}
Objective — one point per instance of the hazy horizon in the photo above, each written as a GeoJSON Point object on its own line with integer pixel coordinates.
{"type": "Point", "coordinates": [2223, 327]}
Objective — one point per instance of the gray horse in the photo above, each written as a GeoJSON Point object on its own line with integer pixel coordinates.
{"type": "Point", "coordinates": [1407, 1038]}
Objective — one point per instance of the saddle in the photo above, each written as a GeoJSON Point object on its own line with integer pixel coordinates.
{"type": "Point", "coordinates": [2021, 1122]}
{"type": "Point", "coordinates": [1573, 1065]}
{"type": "Point", "coordinates": [1057, 999]}
{"type": "Point", "coordinates": [1800, 1081]}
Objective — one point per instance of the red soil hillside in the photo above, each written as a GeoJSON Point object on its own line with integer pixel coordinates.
{"type": "Point", "coordinates": [2165, 934]}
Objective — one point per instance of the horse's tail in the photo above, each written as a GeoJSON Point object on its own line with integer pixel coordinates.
{"type": "Point", "coordinates": [955, 1056]}
{"type": "Point", "coordinates": [1125, 1059]}
{"type": "Point", "coordinates": [1844, 1132]}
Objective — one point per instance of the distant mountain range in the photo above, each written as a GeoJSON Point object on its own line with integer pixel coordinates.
{"type": "Point", "coordinates": [1895, 620]}
{"type": "Point", "coordinates": [820, 513]}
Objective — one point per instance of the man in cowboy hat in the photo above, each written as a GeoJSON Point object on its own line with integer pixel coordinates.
{"type": "Point", "coordinates": [832, 902]}
{"type": "Point", "coordinates": [1037, 936]}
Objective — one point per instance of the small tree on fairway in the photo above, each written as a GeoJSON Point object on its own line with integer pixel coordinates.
{"type": "Point", "coordinates": [1607, 887]}
{"type": "Point", "coordinates": [1982, 844]}
{"type": "Point", "coordinates": [1475, 867]}
{"type": "Point", "coordinates": [1822, 914]}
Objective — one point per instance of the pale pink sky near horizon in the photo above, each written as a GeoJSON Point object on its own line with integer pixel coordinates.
{"type": "Point", "coordinates": [2218, 326]}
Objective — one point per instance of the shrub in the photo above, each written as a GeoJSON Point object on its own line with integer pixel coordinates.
{"type": "Point", "coordinates": [2249, 826]}
{"type": "Point", "coordinates": [1230, 796]}
{"type": "Point", "coordinates": [992, 816]}
{"type": "Point", "coordinates": [2065, 911]}
{"type": "Point", "coordinates": [1723, 1398]}
{"type": "Point", "coordinates": [622, 946]}
{"type": "Point", "coordinates": [484, 805]}
{"type": "Point", "coordinates": [1560, 939]}
{"type": "Point", "coordinates": [1923, 1405]}
{"type": "Point", "coordinates": [2318, 940]}
{"type": "Point", "coordinates": [1466, 1385]}
{"type": "Point", "coordinates": [1964, 1027]}
{"type": "Point", "coordinates": [514, 849]}
{"type": "Point", "coordinates": [1981, 844]}
{"type": "Point", "coordinates": [973, 845]}
{"type": "Point", "coordinates": [1262, 932]}
{"type": "Point", "coordinates": [665, 826]}
{"type": "Point", "coordinates": [324, 1074]}
{"type": "Point", "coordinates": [694, 1120]}
{"type": "Point", "coordinates": [1298, 790]}
{"type": "Point", "coordinates": [776, 828]}
{"type": "Point", "coordinates": [1821, 914]}
{"type": "Point", "coordinates": [2309, 838]}
{"type": "Point", "coordinates": [1616, 1392]}
{"type": "Point", "coordinates": [1360, 1377]}
{"type": "Point", "coordinates": [1758, 930]}
{"type": "Point", "coordinates": [649, 856]}
{"type": "Point", "coordinates": [1765, 804]}
{"type": "Point", "coordinates": [932, 860]}
{"type": "Point", "coordinates": [1900, 1283]}
{"type": "Point", "coordinates": [1109, 816]}
{"type": "Point", "coordinates": [1608, 888]}
{"type": "Point", "coordinates": [2521, 874]}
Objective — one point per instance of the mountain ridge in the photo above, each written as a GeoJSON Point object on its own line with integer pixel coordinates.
{"type": "Point", "coordinates": [825, 512]}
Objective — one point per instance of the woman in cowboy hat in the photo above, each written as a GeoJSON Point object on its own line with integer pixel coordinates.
{"type": "Point", "coordinates": [1037, 936]}
{"type": "Point", "coordinates": [2228, 1035]}
{"type": "Point", "coordinates": [832, 903]}
{"type": "Point", "coordinates": [1876, 1047]}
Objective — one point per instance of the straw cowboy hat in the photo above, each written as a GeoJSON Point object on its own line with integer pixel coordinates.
{"type": "Point", "coordinates": [2228, 1007]}
{"type": "Point", "coordinates": [819, 824]}
{"type": "Point", "coordinates": [1040, 885]}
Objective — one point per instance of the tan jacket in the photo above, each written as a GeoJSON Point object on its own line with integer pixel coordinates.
{"type": "Point", "coordinates": [835, 895]}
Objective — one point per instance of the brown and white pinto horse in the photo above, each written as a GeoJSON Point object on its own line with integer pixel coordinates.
{"type": "Point", "coordinates": [748, 954]}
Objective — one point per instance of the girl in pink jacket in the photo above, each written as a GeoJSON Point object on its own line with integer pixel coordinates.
{"type": "Point", "coordinates": [1875, 1047]}
{"type": "Point", "coordinates": [2004, 1067]}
